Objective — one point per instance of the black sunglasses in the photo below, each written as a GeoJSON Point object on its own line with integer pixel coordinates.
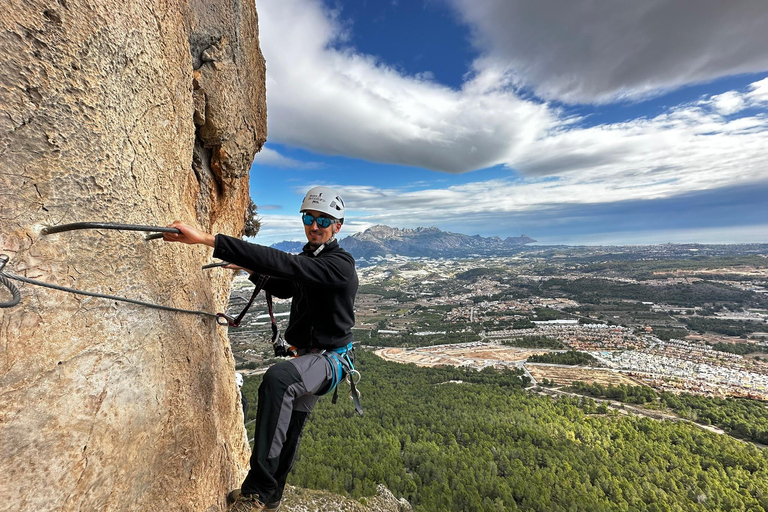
{"type": "Point", "coordinates": [322, 222]}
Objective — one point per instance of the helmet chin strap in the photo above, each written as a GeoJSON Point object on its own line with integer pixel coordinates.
{"type": "Point", "coordinates": [322, 246]}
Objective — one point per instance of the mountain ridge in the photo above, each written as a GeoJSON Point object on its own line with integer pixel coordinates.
{"type": "Point", "coordinates": [430, 242]}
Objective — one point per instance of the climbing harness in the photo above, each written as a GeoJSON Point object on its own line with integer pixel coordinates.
{"type": "Point", "coordinates": [342, 369]}
{"type": "Point", "coordinates": [342, 365]}
{"type": "Point", "coordinates": [341, 359]}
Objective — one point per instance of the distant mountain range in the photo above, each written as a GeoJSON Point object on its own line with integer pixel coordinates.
{"type": "Point", "coordinates": [292, 247]}
{"type": "Point", "coordinates": [379, 241]}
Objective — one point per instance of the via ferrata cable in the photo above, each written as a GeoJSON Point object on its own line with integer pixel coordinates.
{"type": "Point", "coordinates": [221, 318]}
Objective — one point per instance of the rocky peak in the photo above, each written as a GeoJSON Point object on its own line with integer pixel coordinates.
{"type": "Point", "coordinates": [426, 242]}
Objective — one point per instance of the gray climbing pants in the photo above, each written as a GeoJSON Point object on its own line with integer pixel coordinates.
{"type": "Point", "coordinates": [287, 395]}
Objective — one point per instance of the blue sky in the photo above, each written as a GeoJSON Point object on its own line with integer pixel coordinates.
{"type": "Point", "coordinates": [584, 122]}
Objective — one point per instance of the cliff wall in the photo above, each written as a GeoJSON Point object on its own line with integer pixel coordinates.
{"type": "Point", "coordinates": [135, 112]}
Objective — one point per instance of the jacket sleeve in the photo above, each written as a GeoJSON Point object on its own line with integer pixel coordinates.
{"type": "Point", "coordinates": [336, 271]}
{"type": "Point", "coordinates": [280, 288]}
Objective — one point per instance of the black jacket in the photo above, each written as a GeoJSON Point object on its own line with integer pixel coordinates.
{"type": "Point", "coordinates": [323, 288]}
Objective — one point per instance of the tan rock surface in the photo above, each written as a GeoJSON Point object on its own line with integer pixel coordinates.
{"type": "Point", "coordinates": [135, 112]}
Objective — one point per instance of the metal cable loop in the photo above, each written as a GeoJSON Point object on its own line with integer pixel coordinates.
{"type": "Point", "coordinates": [14, 291]}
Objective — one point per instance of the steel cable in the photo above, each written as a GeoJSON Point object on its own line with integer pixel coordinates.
{"type": "Point", "coordinates": [94, 294]}
{"type": "Point", "coordinates": [14, 291]}
{"type": "Point", "coordinates": [50, 230]}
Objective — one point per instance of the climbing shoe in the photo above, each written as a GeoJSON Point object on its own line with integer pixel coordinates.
{"type": "Point", "coordinates": [269, 507]}
{"type": "Point", "coordinates": [239, 502]}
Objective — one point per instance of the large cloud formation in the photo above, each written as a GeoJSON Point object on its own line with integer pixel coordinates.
{"type": "Point", "coordinates": [324, 96]}
{"type": "Point", "coordinates": [601, 50]}
{"type": "Point", "coordinates": [335, 101]}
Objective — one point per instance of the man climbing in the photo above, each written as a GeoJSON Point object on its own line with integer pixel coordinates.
{"type": "Point", "coordinates": [322, 283]}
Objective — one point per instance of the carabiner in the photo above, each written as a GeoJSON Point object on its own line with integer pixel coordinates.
{"type": "Point", "coordinates": [353, 377]}
{"type": "Point", "coordinates": [226, 320]}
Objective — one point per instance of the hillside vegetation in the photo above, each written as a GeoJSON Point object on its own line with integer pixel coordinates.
{"type": "Point", "coordinates": [450, 439]}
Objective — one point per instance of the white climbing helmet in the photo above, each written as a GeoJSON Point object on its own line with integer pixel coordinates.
{"type": "Point", "coordinates": [324, 200]}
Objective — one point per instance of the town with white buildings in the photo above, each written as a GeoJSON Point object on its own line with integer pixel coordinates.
{"type": "Point", "coordinates": [699, 328]}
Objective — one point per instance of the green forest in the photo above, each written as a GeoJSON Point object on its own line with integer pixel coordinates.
{"type": "Point", "coordinates": [740, 348]}
{"type": "Point", "coordinates": [699, 294]}
{"type": "Point", "coordinates": [571, 357]}
{"type": "Point", "coordinates": [727, 327]}
{"type": "Point", "coordinates": [740, 417]}
{"type": "Point", "coordinates": [533, 342]}
{"type": "Point", "coordinates": [451, 439]}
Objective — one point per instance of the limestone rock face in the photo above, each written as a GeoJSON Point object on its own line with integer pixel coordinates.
{"type": "Point", "coordinates": [137, 112]}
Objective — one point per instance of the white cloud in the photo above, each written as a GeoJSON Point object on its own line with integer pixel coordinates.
{"type": "Point", "coordinates": [334, 101]}
{"type": "Point", "coordinates": [599, 51]}
{"type": "Point", "coordinates": [276, 228]}
{"type": "Point", "coordinates": [758, 91]}
{"type": "Point", "coordinates": [729, 102]}
{"type": "Point", "coordinates": [273, 158]}
{"type": "Point", "coordinates": [691, 149]}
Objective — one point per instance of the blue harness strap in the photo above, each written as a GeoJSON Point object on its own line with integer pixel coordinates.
{"type": "Point", "coordinates": [341, 360]}
{"type": "Point", "coordinates": [341, 364]}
